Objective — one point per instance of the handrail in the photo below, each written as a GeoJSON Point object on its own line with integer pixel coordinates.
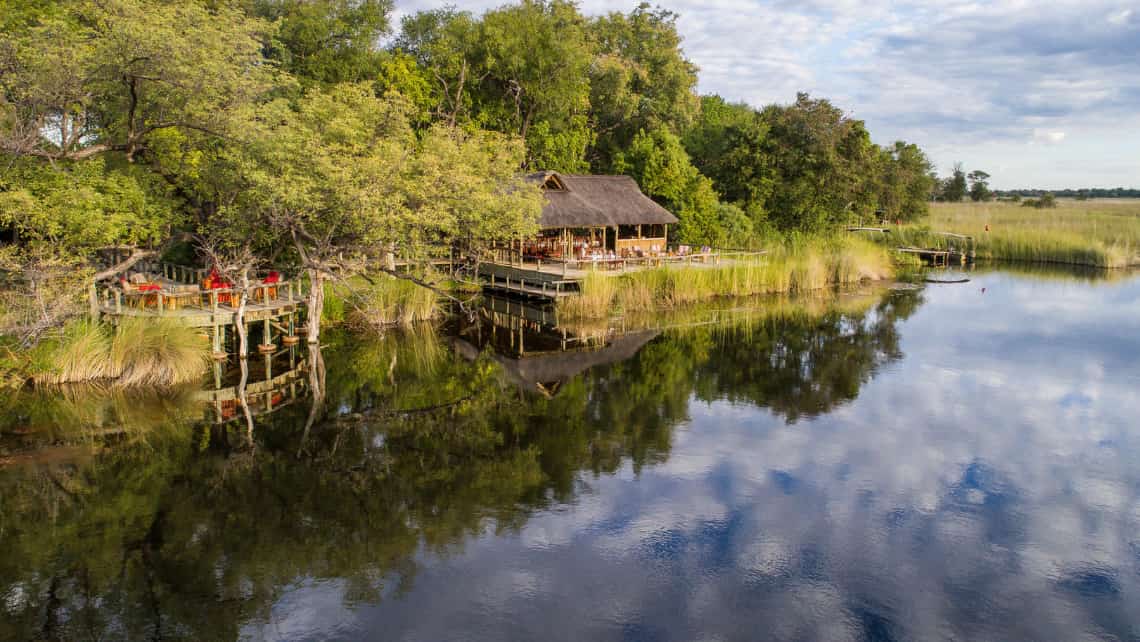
{"type": "Point", "coordinates": [113, 298]}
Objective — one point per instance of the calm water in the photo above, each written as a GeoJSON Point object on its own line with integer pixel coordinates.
{"type": "Point", "coordinates": [961, 462]}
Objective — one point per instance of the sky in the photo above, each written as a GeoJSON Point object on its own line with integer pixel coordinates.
{"type": "Point", "coordinates": [1038, 94]}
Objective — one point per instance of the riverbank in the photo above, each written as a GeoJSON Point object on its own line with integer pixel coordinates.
{"type": "Point", "coordinates": [791, 266]}
{"type": "Point", "coordinates": [1095, 233]}
{"type": "Point", "coordinates": [136, 353]}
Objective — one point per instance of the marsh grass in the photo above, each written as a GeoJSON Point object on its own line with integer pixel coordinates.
{"type": "Point", "coordinates": [139, 352]}
{"type": "Point", "coordinates": [387, 301]}
{"type": "Point", "coordinates": [1097, 233]}
{"type": "Point", "coordinates": [792, 266]}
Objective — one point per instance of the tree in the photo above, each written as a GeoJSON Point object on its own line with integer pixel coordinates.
{"type": "Point", "coordinates": [979, 186]}
{"type": "Point", "coordinates": [640, 79]}
{"type": "Point", "coordinates": [820, 160]}
{"type": "Point", "coordinates": [954, 188]}
{"type": "Point", "coordinates": [729, 144]}
{"type": "Point", "coordinates": [520, 69]}
{"type": "Point", "coordinates": [906, 182]}
{"type": "Point", "coordinates": [342, 181]}
{"type": "Point", "coordinates": [327, 41]}
{"type": "Point", "coordinates": [658, 162]}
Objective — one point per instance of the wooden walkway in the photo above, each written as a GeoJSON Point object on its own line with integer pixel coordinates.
{"type": "Point", "coordinates": [550, 280]}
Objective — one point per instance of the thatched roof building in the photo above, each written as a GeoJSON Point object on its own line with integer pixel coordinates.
{"type": "Point", "coordinates": [591, 215]}
{"type": "Point", "coordinates": [582, 201]}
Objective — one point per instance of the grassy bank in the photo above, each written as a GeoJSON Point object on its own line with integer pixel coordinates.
{"type": "Point", "coordinates": [387, 301]}
{"type": "Point", "coordinates": [156, 353]}
{"type": "Point", "coordinates": [792, 266]}
{"type": "Point", "coordinates": [1098, 233]}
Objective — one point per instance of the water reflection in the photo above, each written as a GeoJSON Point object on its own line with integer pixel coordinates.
{"type": "Point", "coordinates": [865, 467]}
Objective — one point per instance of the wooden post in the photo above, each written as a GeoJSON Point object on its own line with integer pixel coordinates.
{"type": "Point", "coordinates": [118, 302]}
{"type": "Point", "coordinates": [94, 301]}
{"type": "Point", "coordinates": [158, 301]}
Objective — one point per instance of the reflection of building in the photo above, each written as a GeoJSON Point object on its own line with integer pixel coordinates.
{"type": "Point", "coordinates": [274, 381]}
{"type": "Point", "coordinates": [587, 215]}
{"type": "Point", "coordinates": [534, 353]}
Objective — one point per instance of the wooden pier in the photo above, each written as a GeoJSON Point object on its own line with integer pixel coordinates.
{"type": "Point", "coordinates": [959, 248]}
{"type": "Point", "coordinates": [274, 308]}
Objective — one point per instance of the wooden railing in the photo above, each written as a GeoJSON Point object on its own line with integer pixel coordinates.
{"type": "Point", "coordinates": [514, 258]}
{"type": "Point", "coordinates": [114, 298]}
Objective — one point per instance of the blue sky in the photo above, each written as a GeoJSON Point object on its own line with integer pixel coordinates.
{"type": "Point", "coordinates": [1039, 94]}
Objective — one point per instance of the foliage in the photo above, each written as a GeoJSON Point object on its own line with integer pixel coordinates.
{"type": "Point", "coordinates": [979, 186]}
{"type": "Point", "coordinates": [799, 265]}
{"type": "Point", "coordinates": [659, 163]}
{"type": "Point", "coordinates": [639, 80]}
{"type": "Point", "coordinates": [291, 132]}
{"type": "Point", "coordinates": [328, 41]}
{"type": "Point", "coordinates": [138, 352]}
{"type": "Point", "coordinates": [954, 187]}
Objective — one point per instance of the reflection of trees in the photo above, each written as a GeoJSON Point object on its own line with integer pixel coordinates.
{"type": "Point", "coordinates": [803, 364]}
{"type": "Point", "coordinates": [189, 533]}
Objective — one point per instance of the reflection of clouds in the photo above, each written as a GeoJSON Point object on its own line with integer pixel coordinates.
{"type": "Point", "coordinates": [964, 494]}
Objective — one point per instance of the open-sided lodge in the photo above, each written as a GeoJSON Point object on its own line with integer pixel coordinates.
{"type": "Point", "coordinates": [592, 216]}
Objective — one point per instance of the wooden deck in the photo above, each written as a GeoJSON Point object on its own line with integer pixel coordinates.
{"type": "Point", "coordinates": [175, 294]}
{"type": "Point", "coordinates": [550, 280]}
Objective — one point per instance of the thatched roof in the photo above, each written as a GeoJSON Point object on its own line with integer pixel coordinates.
{"type": "Point", "coordinates": [596, 201]}
{"type": "Point", "coordinates": [547, 372]}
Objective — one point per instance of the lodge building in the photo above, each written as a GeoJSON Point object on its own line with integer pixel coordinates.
{"type": "Point", "coordinates": [587, 216]}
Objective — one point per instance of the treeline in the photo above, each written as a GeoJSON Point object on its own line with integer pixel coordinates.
{"type": "Point", "coordinates": [279, 132]}
{"type": "Point", "coordinates": [1078, 194]}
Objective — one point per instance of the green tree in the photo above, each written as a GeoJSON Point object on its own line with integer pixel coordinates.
{"type": "Point", "coordinates": [640, 79]}
{"type": "Point", "coordinates": [658, 162]}
{"type": "Point", "coordinates": [906, 182]}
{"type": "Point", "coordinates": [979, 186]}
{"type": "Point", "coordinates": [520, 69]}
{"type": "Point", "coordinates": [327, 41]}
{"type": "Point", "coordinates": [340, 178]}
{"type": "Point", "coordinates": [954, 188]}
{"type": "Point", "coordinates": [820, 160]}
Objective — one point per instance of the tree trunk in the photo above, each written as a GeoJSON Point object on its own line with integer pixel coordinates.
{"type": "Point", "coordinates": [316, 304]}
{"type": "Point", "coordinates": [239, 318]}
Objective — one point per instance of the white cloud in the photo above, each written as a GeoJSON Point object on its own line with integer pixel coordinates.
{"type": "Point", "coordinates": [963, 79]}
{"type": "Point", "coordinates": [1044, 136]}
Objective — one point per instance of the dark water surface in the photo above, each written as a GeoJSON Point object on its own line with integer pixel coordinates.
{"type": "Point", "coordinates": [961, 462]}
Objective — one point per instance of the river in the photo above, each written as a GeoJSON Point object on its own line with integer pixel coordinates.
{"type": "Point", "coordinates": [951, 462]}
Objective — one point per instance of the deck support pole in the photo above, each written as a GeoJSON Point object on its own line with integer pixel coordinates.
{"type": "Point", "coordinates": [94, 302]}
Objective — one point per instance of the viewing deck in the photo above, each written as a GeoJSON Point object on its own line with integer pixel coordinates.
{"type": "Point", "coordinates": [167, 291]}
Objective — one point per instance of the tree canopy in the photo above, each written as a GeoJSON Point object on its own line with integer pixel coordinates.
{"type": "Point", "coordinates": [305, 130]}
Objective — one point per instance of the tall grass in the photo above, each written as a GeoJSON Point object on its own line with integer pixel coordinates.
{"type": "Point", "coordinates": [793, 266]}
{"type": "Point", "coordinates": [1103, 233]}
{"type": "Point", "coordinates": [385, 302]}
{"type": "Point", "coordinates": [139, 352]}
{"type": "Point", "coordinates": [393, 301]}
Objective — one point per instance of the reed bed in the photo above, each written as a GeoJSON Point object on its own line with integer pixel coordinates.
{"type": "Point", "coordinates": [136, 353]}
{"type": "Point", "coordinates": [388, 301]}
{"type": "Point", "coordinates": [1097, 233]}
{"type": "Point", "coordinates": [793, 266]}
